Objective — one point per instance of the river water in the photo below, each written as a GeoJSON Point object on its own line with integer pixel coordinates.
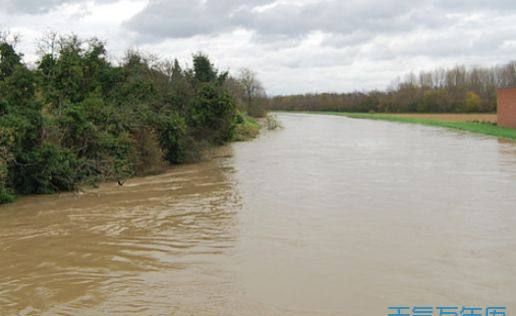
{"type": "Point", "coordinates": [328, 216]}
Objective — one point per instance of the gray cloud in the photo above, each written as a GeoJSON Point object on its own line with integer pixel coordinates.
{"type": "Point", "coordinates": [295, 45]}
{"type": "Point", "coordinates": [38, 6]}
{"type": "Point", "coordinates": [186, 18]}
{"type": "Point", "coordinates": [474, 5]}
{"type": "Point", "coordinates": [30, 6]}
{"type": "Point", "coordinates": [278, 19]}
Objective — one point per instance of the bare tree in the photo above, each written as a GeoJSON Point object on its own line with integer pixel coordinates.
{"type": "Point", "coordinates": [253, 91]}
{"type": "Point", "coordinates": [7, 36]}
{"type": "Point", "coordinates": [48, 44]}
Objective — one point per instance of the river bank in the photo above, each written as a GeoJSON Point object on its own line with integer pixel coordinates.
{"type": "Point", "coordinates": [246, 129]}
{"type": "Point", "coordinates": [475, 126]}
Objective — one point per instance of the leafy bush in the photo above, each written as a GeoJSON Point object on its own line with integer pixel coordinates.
{"type": "Point", "coordinates": [6, 195]}
{"type": "Point", "coordinates": [78, 119]}
{"type": "Point", "coordinates": [213, 114]}
{"type": "Point", "coordinates": [172, 131]}
{"type": "Point", "coordinates": [47, 169]}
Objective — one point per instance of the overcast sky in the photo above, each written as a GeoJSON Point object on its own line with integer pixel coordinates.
{"type": "Point", "coordinates": [295, 46]}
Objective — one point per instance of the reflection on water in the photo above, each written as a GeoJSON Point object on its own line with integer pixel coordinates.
{"type": "Point", "coordinates": [329, 216]}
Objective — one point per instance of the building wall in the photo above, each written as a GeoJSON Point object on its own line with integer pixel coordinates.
{"type": "Point", "coordinates": [507, 107]}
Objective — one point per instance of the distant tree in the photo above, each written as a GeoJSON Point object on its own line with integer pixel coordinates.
{"type": "Point", "coordinates": [472, 102]}
{"type": "Point", "coordinates": [254, 93]}
{"type": "Point", "coordinates": [435, 100]}
{"type": "Point", "coordinates": [458, 89]}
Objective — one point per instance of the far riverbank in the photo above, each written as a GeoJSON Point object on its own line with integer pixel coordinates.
{"type": "Point", "coordinates": [465, 122]}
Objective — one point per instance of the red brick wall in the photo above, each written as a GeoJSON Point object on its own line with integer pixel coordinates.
{"type": "Point", "coordinates": [507, 107]}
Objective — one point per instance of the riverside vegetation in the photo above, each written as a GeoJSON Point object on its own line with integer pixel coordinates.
{"type": "Point", "coordinates": [478, 127]}
{"type": "Point", "coordinates": [454, 90]}
{"type": "Point", "coordinates": [76, 118]}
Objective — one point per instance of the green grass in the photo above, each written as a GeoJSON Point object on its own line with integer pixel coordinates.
{"type": "Point", "coordinates": [474, 127]}
{"type": "Point", "coordinates": [247, 129]}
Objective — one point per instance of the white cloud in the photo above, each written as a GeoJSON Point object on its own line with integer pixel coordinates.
{"type": "Point", "coordinates": [102, 19]}
{"type": "Point", "coordinates": [294, 45]}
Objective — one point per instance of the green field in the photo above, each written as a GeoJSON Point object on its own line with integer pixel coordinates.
{"type": "Point", "coordinates": [474, 127]}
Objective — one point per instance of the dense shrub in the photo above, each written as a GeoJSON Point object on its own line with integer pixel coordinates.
{"type": "Point", "coordinates": [173, 138]}
{"type": "Point", "coordinates": [79, 119]}
{"type": "Point", "coordinates": [5, 193]}
{"type": "Point", "coordinates": [213, 114]}
{"type": "Point", "coordinates": [47, 169]}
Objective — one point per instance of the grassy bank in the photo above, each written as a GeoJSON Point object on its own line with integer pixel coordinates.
{"type": "Point", "coordinates": [246, 129]}
{"type": "Point", "coordinates": [484, 128]}
{"type": "Point", "coordinates": [249, 127]}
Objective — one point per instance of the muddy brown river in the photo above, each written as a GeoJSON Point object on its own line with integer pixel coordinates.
{"type": "Point", "coordinates": [328, 216]}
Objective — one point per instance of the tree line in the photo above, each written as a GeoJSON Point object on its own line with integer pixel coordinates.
{"type": "Point", "coordinates": [76, 118]}
{"type": "Point", "coordinates": [458, 89]}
